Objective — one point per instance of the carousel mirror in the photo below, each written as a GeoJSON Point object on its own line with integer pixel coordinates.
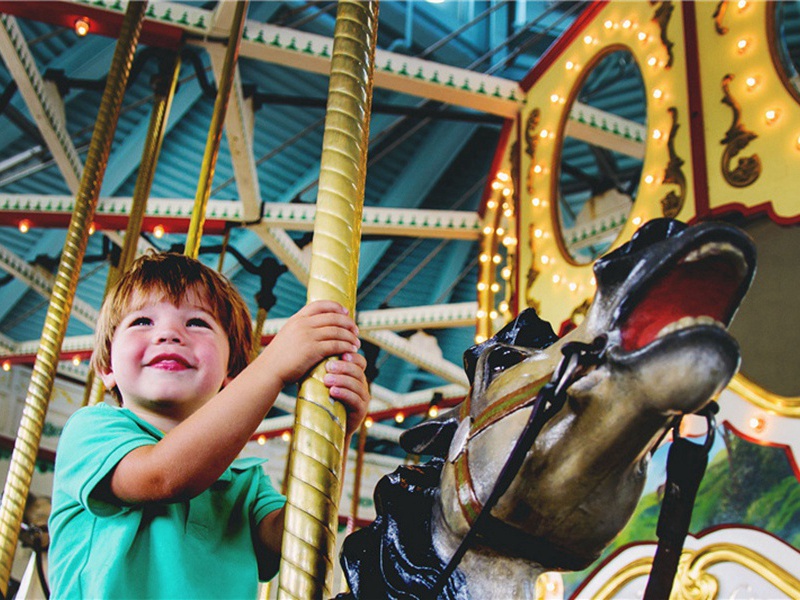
{"type": "Point", "coordinates": [785, 42]}
{"type": "Point", "coordinates": [602, 155]}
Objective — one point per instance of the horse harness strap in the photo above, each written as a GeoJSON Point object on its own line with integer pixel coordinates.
{"type": "Point", "coordinates": [547, 402]}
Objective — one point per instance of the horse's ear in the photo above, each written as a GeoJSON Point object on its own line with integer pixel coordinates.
{"type": "Point", "coordinates": [431, 437]}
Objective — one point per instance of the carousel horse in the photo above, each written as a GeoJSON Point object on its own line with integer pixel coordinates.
{"type": "Point", "coordinates": [652, 346]}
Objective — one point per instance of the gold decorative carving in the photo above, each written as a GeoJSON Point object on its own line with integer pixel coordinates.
{"type": "Point", "coordinates": [784, 406]}
{"type": "Point", "coordinates": [662, 16]}
{"type": "Point", "coordinates": [531, 139]}
{"type": "Point", "coordinates": [672, 203]}
{"type": "Point", "coordinates": [736, 139]}
{"type": "Point", "coordinates": [693, 581]}
{"type": "Point", "coordinates": [719, 17]}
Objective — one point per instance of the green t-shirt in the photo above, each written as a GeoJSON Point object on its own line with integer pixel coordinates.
{"type": "Point", "coordinates": [201, 548]}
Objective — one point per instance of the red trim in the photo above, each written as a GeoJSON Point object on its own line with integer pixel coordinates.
{"type": "Point", "coordinates": [787, 449]}
{"type": "Point", "coordinates": [696, 123]}
{"type": "Point", "coordinates": [562, 43]}
{"type": "Point", "coordinates": [765, 208]}
{"type": "Point", "coordinates": [49, 220]}
{"type": "Point", "coordinates": [102, 22]}
{"type": "Point", "coordinates": [29, 359]}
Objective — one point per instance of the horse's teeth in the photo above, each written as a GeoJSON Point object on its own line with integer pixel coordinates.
{"type": "Point", "coordinates": [686, 322]}
{"type": "Point", "coordinates": [716, 249]}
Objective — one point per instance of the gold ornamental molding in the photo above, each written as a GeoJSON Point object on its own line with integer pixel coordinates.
{"type": "Point", "coordinates": [662, 16]}
{"type": "Point", "coordinates": [672, 203]}
{"type": "Point", "coordinates": [736, 139]}
{"type": "Point", "coordinates": [693, 581]}
{"type": "Point", "coordinates": [784, 406]}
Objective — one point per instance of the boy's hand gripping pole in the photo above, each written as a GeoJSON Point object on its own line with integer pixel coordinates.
{"type": "Point", "coordinates": [315, 460]}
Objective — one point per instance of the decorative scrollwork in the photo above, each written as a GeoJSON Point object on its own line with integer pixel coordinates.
{"type": "Point", "coordinates": [662, 16]}
{"type": "Point", "coordinates": [531, 139]}
{"type": "Point", "coordinates": [719, 17]}
{"type": "Point", "coordinates": [736, 139]}
{"type": "Point", "coordinates": [692, 583]}
{"type": "Point", "coordinates": [672, 203]}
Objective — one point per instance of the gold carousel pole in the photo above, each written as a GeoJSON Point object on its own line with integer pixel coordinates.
{"type": "Point", "coordinates": [214, 138]}
{"type": "Point", "coordinates": [164, 92]}
{"type": "Point", "coordinates": [44, 368]}
{"type": "Point", "coordinates": [318, 439]}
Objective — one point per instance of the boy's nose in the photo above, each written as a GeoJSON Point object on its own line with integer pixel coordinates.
{"type": "Point", "coordinates": [169, 334]}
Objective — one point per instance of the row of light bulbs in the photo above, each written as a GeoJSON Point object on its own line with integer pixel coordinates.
{"type": "Point", "coordinates": [25, 225]}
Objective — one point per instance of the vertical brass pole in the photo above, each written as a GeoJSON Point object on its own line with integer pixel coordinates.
{"type": "Point", "coordinates": [318, 439]}
{"type": "Point", "coordinates": [44, 368]}
{"type": "Point", "coordinates": [214, 138]}
{"type": "Point", "coordinates": [164, 92]}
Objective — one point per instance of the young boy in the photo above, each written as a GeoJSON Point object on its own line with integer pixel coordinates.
{"type": "Point", "coordinates": [148, 499]}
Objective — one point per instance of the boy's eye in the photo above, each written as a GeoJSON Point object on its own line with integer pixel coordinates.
{"type": "Point", "coordinates": [198, 323]}
{"type": "Point", "coordinates": [141, 321]}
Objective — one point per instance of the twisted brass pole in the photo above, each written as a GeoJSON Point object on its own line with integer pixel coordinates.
{"type": "Point", "coordinates": [315, 462]}
{"type": "Point", "coordinates": [209, 164]}
{"type": "Point", "coordinates": [44, 368]}
{"type": "Point", "coordinates": [164, 92]}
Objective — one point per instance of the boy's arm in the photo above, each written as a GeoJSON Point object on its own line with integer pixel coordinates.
{"type": "Point", "coordinates": [194, 453]}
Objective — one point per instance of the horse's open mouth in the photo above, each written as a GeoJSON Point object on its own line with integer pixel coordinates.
{"type": "Point", "coordinates": [703, 288]}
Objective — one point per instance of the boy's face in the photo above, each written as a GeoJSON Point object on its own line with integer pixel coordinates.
{"type": "Point", "coordinates": [166, 357]}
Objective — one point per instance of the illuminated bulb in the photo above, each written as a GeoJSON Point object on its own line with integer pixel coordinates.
{"type": "Point", "coordinates": [503, 176]}
{"type": "Point", "coordinates": [506, 192]}
{"type": "Point", "coordinates": [506, 273]}
{"type": "Point", "coordinates": [500, 231]}
{"type": "Point", "coordinates": [656, 134]}
{"type": "Point", "coordinates": [158, 231]}
{"type": "Point", "coordinates": [593, 281]}
{"type": "Point", "coordinates": [570, 65]}
{"type": "Point", "coordinates": [544, 133]}
{"type": "Point", "coordinates": [496, 185]}
{"type": "Point", "coordinates": [757, 424]}
{"type": "Point", "coordinates": [479, 339]}
{"type": "Point", "coordinates": [536, 201]}
{"type": "Point", "coordinates": [508, 213]}
{"type": "Point", "coordinates": [6, 365]}
{"type": "Point", "coordinates": [742, 4]}
{"type": "Point", "coordinates": [573, 286]}
{"type": "Point", "coordinates": [503, 306]}
{"type": "Point", "coordinates": [433, 412]}
{"type": "Point", "coordinates": [537, 233]}
{"type": "Point", "coordinates": [636, 221]}
{"type": "Point", "coordinates": [76, 360]}
{"type": "Point", "coordinates": [545, 259]}
{"type": "Point", "coordinates": [608, 24]}
{"type": "Point", "coordinates": [487, 230]}
{"type": "Point", "coordinates": [484, 258]}
{"type": "Point", "coordinates": [751, 83]}
{"type": "Point", "coordinates": [587, 39]}
{"type": "Point", "coordinates": [771, 116]}
{"type": "Point", "coordinates": [481, 314]}
{"type": "Point", "coordinates": [657, 93]}
{"type": "Point", "coordinates": [368, 422]}
{"type": "Point", "coordinates": [262, 439]}
{"type": "Point", "coordinates": [626, 24]}
{"type": "Point", "coordinates": [495, 287]}
{"type": "Point", "coordinates": [399, 417]}
{"type": "Point", "coordinates": [82, 26]}
{"type": "Point", "coordinates": [556, 278]}
{"type": "Point", "coordinates": [652, 61]}
{"type": "Point", "coordinates": [649, 179]}
{"type": "Point", "coordinates": [797, 143]}
{"type": "Point", "coordinates": [496, 259]}
{"type": "Point", "coordinates": [25, 226]}
{"type": "Point", "coordinates": [642, 36]}
{"type": "Point", "coordinates": [286, 436]}
{"type": "Point", "coordinates": [554, 98]}
{"type": "Point", "coordinates": [481, 286]}
{"type": "Point", "coordinates": [537, 169]}
{"type": "Point", "coordinates": [493, 315]}
{"type": "Point", "coordinates": [742, 44]}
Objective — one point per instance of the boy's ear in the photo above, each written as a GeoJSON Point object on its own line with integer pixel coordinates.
{"type": "Point", "coordinates": [109, 381]}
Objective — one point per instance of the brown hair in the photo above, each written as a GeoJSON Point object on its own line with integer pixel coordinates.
{"type": "Point", "coordinates": [171, 276]}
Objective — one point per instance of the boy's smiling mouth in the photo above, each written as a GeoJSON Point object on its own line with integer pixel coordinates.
{"type": "Point", "coordinates": [169, 362]}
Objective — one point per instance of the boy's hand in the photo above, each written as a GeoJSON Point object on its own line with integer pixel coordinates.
{"type": "Point", "coordinates": [317, 331]}
{"type": "Point", "coordinates": [347, 383]}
